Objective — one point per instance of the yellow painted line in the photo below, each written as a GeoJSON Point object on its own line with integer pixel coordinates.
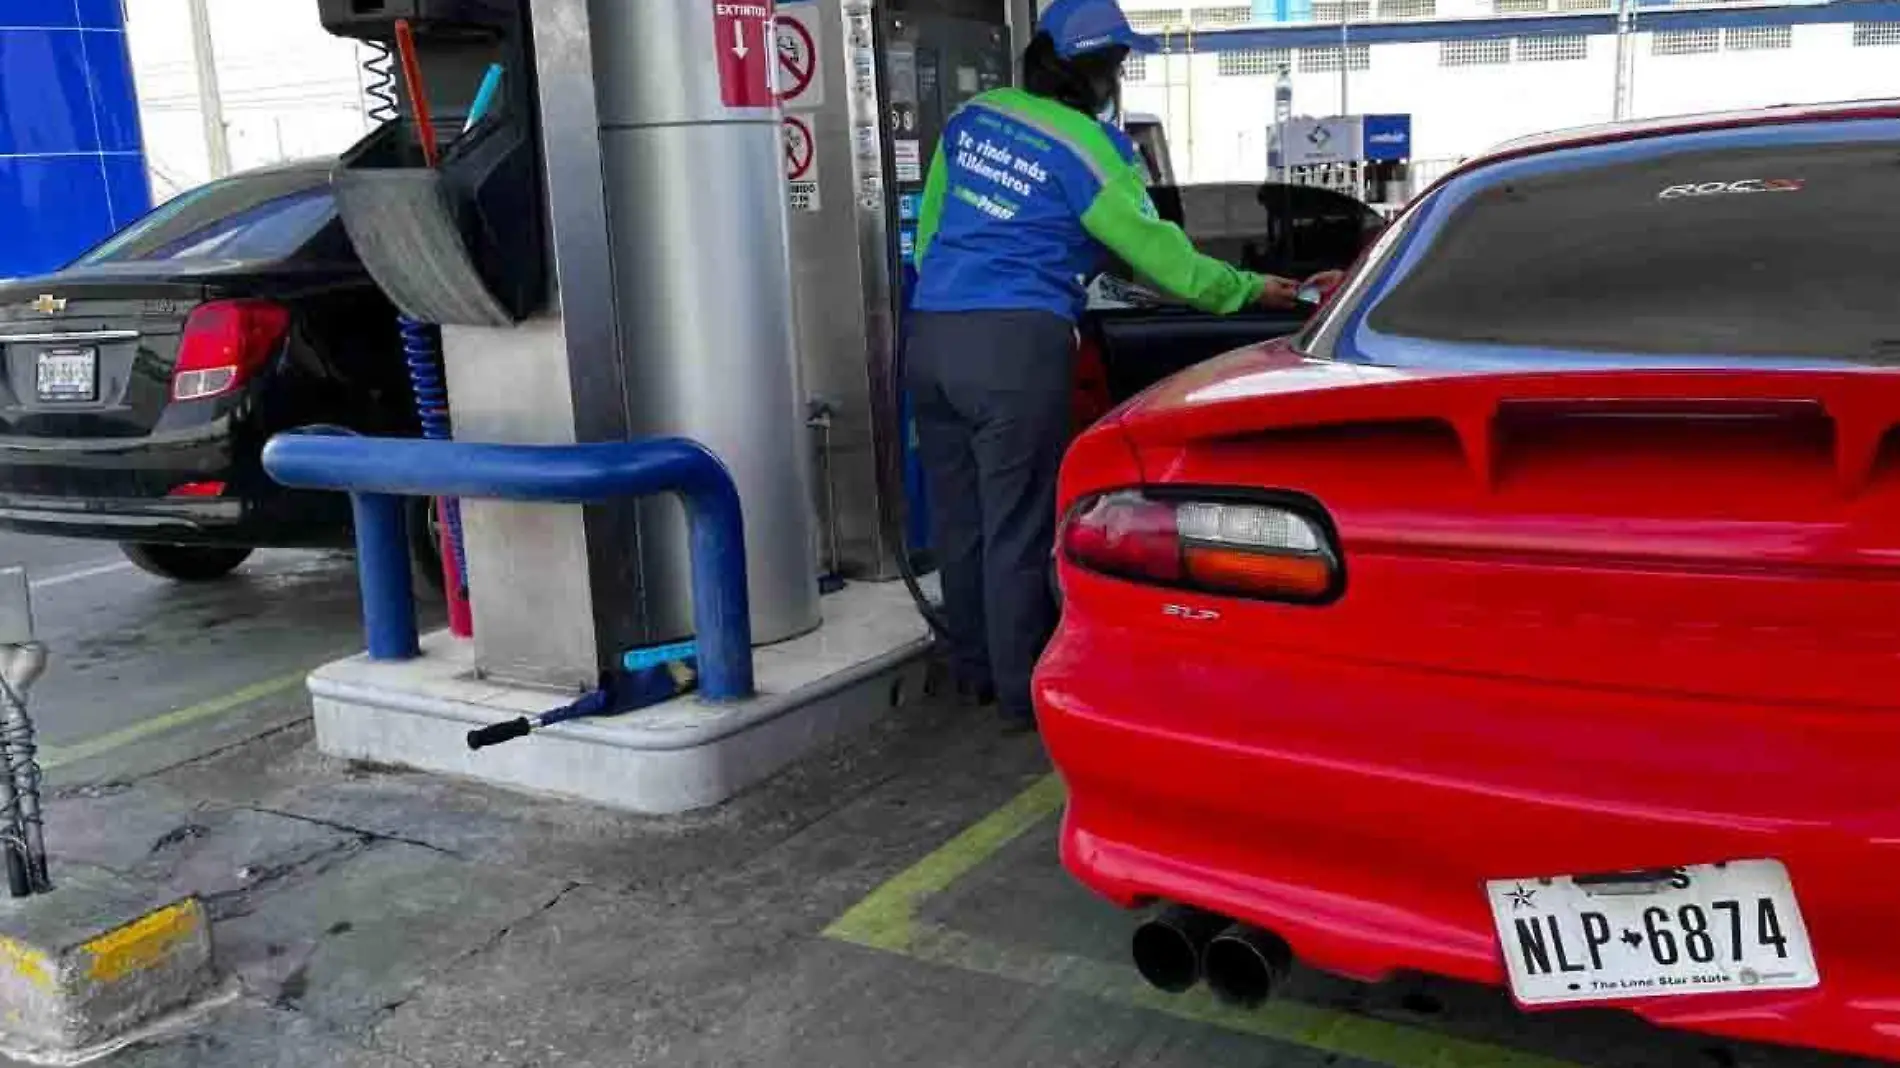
{"type": "Point", "coordinates": [142, 944]}
{"type": "Point", "coordinates": [884, 920]}
{"type": "Point", "coordinates": [888, 920]}
{"type": "Point", "coordinates": [29, 964]}
{"type": "Point", "coordinates": [59, 756]}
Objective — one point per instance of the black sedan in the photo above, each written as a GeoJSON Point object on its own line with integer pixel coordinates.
{"type": "Point", "coordinates": [141, 382]}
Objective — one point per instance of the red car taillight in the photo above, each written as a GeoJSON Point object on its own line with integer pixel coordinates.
{"type": "Point", "coordinates": [1232, 547]}
{"type": "Point", "coordinates": [226, 342]}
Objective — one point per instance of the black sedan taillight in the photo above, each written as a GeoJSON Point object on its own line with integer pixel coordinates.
{"type": "Point", "coordinates": [225, 343]}
{"type": "Point", "coordinates": [1270, 551]}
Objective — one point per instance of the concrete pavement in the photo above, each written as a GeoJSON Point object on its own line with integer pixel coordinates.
{"type": "Point", "coordinates": [131, 651]}
{"type": "Point", "coordinates": [894, 901]}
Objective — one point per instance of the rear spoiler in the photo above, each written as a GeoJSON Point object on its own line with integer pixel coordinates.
{"type": "Point", "coordinates": [1227, 398]}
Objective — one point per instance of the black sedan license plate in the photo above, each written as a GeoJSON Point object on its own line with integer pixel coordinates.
{"type": "Point", "coordinates": [1699, 929]}
{"type": "Point", "coordinates": [69, 374]}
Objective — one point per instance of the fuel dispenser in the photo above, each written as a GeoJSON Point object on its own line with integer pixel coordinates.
{"type": "Point", "coordinates": [570, 242]}
{"type": "Point", "coordinates": [858, 151]}
{"type": "Point", "coordinates": [933, 63]}
{"type": "Point", "coordinates": [685, 219]}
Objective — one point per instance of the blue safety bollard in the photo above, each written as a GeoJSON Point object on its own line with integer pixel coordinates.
{"type": "Point", "coordinates": [382, 568]}
{"type": "Point", "coordinates": [383, 469]}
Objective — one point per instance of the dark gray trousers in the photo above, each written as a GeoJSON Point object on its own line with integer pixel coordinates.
{"type": "Point", "coordinates": [990, 393]}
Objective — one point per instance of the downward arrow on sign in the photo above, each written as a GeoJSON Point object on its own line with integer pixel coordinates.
{"type": "Point", "coordinates": [738, 40]}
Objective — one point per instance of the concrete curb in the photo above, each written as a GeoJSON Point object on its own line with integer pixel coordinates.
{"type": "Point", "coordinates": [96, 957]}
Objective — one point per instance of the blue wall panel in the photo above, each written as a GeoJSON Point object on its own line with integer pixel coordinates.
{"type": "Point", "coordinates": [72, 164]}
{"type": "Point", "coordinates": [102, 14]}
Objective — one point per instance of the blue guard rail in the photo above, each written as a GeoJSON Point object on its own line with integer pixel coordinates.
{"type": "Point", "coordinates": [379, 472]}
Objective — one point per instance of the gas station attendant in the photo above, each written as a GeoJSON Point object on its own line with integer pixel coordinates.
{"type": "Point", "coordinates": [1028, 193]}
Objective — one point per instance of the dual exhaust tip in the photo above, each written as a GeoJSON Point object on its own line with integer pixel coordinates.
{"type": "Point", "coordinates": [1181, 946]}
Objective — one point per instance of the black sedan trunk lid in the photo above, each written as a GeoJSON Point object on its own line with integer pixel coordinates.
{"type": "Point", "coordinates": [90, 356]}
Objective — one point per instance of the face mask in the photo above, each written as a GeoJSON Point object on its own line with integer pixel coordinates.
{"type": "Point", "coordinates": [1107, 113]}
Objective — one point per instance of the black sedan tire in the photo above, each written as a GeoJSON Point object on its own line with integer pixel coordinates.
{"type": "Point", "coordinates": [184, 563]}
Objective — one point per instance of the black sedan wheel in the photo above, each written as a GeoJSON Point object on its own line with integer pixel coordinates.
{"type": "Point", "coordinates": [184, 563]}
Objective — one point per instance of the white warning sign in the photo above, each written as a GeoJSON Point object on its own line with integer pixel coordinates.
{"type": "Point", "coordinates": [797, 65]}
{"type": "Point", "coordinates": [801, 164]}
{"type": "Point", "coordinates": [908, 156]}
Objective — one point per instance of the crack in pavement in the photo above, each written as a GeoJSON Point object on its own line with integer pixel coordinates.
{"type": "Point", "coordinates": [360, 832]}
{"type": "Point", "coordinates": [389, 1009]}
{"type": "Point", "coordinates": [234, 903]}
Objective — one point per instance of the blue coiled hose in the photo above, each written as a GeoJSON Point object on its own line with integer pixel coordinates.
{"type": "Point", "coordinates": [422, 351]}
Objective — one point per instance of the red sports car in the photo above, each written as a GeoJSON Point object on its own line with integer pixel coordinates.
{"type": "Point", "coordinates": [1532, 617]}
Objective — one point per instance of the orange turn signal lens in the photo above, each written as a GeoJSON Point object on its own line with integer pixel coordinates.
{"type": "Point", "coordinates": [1303, 576]}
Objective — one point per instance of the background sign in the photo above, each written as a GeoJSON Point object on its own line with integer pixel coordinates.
{"type": "Point", "coordinates": [743, 45]}
{"type": "Point", "coordinates": [801, 68]}
{"type": "Point", "coordinates": [1304, 142]}
{"type": "Point", "coordinates": [1388, 137]}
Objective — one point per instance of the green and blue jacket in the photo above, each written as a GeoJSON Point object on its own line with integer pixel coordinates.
{"type": "Point", "coordinates": [1024, 197]}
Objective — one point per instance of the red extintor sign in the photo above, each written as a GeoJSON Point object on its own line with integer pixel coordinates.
{"type": "Point", "coordinates": [743, 42]}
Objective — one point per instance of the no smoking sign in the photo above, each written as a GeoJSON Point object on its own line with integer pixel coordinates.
{"type": "Point", "coordinates": [799, 67]}
{"type": "Point", "coordinates": [799, 148]}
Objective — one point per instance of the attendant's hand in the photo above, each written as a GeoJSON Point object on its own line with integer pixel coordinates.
{"type": "Point", "coordinates": [1324, 283]}
{"type": "Point", "coordinates": [1280, 294]}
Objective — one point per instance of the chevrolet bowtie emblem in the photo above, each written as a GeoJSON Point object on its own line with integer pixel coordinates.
{"type": "Point", "coordinates": [48, 304]}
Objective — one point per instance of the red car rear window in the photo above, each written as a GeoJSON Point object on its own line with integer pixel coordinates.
{"type": "Point", "coordinates": [1784, 251]}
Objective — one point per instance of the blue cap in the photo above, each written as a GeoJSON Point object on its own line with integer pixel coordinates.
{"type": "Point", "coordinates": [1079, 26]}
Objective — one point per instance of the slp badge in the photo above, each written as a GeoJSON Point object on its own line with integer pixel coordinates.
{"type": "Point", "coordinates": [48, 304]}
{"type": "Point", "coordinates": [908, 205]}
{"type": "Point", "coordinates": [907, 245]}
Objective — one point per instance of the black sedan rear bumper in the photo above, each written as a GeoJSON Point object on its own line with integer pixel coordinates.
{"type": "Point", "coordinates": [121, 490]}
{"type": "Point", "coordinates": [181, 519]}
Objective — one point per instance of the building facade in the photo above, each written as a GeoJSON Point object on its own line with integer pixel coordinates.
{"type": "Point", "coordinates": [1465, 95]}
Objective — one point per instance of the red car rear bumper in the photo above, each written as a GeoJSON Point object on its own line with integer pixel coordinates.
{"type": "Point", "coordinates": [1357, 808]}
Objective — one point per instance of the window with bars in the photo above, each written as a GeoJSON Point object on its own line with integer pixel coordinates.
{"type": "Point", "coordinates": [1552, 49]}
{"type": "Point", "coordinates": [1685, 42]}
{"type": "Point", "coordinates": [1408, 9]}
{"type": "Point", "coordinates": [1326, 60]}
{"type": "Point", "coordinates": [1876, 34]}
{"type": "Point", "coordinates": [1252, 62]}
{"type": "Point", "coordinates": [1757, 38]}
{"type": "Point", "coordinates": [1222, 16]}
{"type": "Point", "coordinates": [1519, 7]}
{"type": "Point", "coordinates": [1584, 5]}
{"type": "Point", "coordinates": [1157, 19]}
{"type": "Point", "coordinates": [1479, 53]}
{"type": "Point", "coordinates": [1341, 10]}
{"type": "Point", "coordinates": [1135, 69]}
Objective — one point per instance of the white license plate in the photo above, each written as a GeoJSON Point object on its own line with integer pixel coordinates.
{"type": "Point", "coordinates": [1694, 930]}
{"type": "Point", "coordinates": [68, 374]}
